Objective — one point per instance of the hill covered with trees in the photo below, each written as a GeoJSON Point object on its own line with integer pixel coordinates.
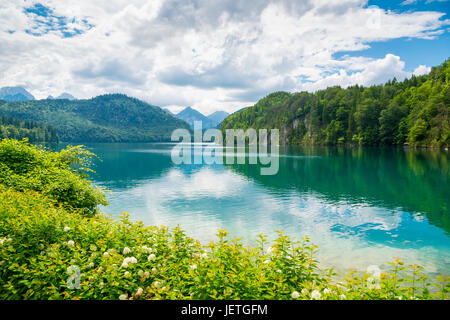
{"type": "Point", "coordinates": [106, 118]}
{"type": "Point", "coordinates": [34, 131]}
{"type": "Point", "coordinates": [414, 112]}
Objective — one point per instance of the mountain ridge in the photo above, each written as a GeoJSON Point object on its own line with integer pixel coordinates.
{"type": "Point", "coordinates": [105, 118]}
{"type": "Point", "coordinates": [191, 115]}
{"type": "Point", "coordinates": [16, 93]}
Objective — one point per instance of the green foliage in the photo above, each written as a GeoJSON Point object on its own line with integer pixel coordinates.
{"type": "Point", "coordinates": [33, 131]}
{"type": "Point", "coordinates": [106, 118]}
{"type": "Point", "coordinates": [42, 246]}
{"type": "Point", "coordinates": [58, 175]}
{"type": "Point", "coordinates": [415, 111]}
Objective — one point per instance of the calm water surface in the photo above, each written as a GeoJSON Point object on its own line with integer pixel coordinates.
{"type": "Point", "coordinates": [361, 206]}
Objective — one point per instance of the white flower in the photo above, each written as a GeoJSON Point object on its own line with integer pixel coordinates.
{"type": "Point", "coordinates": [146, 274]}
{"type": "Point", "coordinates": [327, 291]}
{"type": "Point", "coordinates": [123, 296]}
{"type": "Point", "coordinates": [101, 284]}
{"type": "Point", "coordinates": [141, 273]}
{"type": "Point", "coordinates": [91, 265]}
{"type": "Point", "coordinates": [151, 257]}
{"type": "Point", "coordinates": [132, 260]}
{"type": "Point", "coordinates": [66, 229]}
{"type": "Point", "coordinates": [204, 255]}
{"type": "Point", "coordinates": [126, 250]}
{"type": "Point", "coordinates": [139, 291]}
{"type": "Point", "coordinates": [193, 267]}
{"type": "Point", "coordinates": [127, 261]}
{"type": "Point", "coordinates": [156, 284]}
{"type": "Point", "coordinates": [154, 270]}
{"type": "Point", "coordinates": [93, 248]}
{"type": "Point", "coordinates": [266, 261]}
{"type": "Point", "coordinates": [70, 243]}
{"type": "Point", "coordinates": [295, 295]}
{"type": "Point", "coordinates": [126, 274]}
{"type": "Point", "coordinates": [279, 271]}
{"type": "Point", "coordinates": [304, 291]}
{"type": "Point", "coordinates": [149, 250]}
{"type": "Point", "coordinates": [315, 295]}
{"type": "Point", "coordinates": [342, 297]}
{"type": "Point", "coordinates": [270, 250]}
{"type": "Point", "coordinates": [105, 254]}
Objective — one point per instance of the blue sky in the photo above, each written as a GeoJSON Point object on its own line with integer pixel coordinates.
{"type": "Point", "coordinates": [412, 50]}
{"type": "Point", "coordinates": [216, 54]}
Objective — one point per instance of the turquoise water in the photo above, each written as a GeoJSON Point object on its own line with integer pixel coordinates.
{"type": "Point", "coordinates": [361, 206]}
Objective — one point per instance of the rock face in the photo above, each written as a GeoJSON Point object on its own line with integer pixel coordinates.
{"type": "Point", "coordinates": [15, 94]}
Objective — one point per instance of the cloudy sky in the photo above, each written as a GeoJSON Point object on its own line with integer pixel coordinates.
{"type": "Point", "coordinates": [215, 55]}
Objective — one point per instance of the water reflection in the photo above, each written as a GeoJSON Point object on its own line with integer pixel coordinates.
{"type": "Point", "coordinates": [415, 181]}
{"type": "Point", "coordinates": [361, 206]}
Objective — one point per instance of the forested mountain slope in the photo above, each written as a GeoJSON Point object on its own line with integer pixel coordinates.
{"type": "Point", "coordinates": [33, 131]}
{"type": "Point", "coordinates": [413, 112]}
{"type": "Point", "coordinates": [106, 118]}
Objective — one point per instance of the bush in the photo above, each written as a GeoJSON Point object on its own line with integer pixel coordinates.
{"type": "Point", "coordinates": [62, 176]}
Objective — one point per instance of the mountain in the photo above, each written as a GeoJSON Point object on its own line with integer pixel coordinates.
{"type": "Point", "coordinates": [106, 118]}
{"type": "Point", "coordinates": [167, 110]}
{"type": "Point", "coordinates": [217, 117]}
{"type": "Point", "coordinates": [15, 94]}
{"type": "Point", "coordinates": [66, 95]}
{"type": "Point", "coordinates": [190, 115]}
{"type": "Point", "coordinates": [413, 112]}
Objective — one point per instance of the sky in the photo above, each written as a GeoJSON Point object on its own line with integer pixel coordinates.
{"type": "Point", "coordinates": [216, 55]}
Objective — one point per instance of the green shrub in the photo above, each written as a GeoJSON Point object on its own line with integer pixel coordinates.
{"type": "Point", "coordinates": [60, 175]}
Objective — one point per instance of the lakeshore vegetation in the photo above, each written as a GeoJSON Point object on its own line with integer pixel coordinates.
{"type": "Point", "coordinates": [55, 244]}
{"type": "Point", "coordinates": [34, 131]}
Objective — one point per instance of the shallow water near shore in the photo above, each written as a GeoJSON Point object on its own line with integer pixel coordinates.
{"type": "Point", "coordinates": [361, 206]}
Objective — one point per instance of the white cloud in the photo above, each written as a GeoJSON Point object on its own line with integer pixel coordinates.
{"type": "Point", "coordinates": [421, 70]}
{"type": "Point", "coordinates": [210, 55]}
{"type": "Point", "coordinates": [369, 71]}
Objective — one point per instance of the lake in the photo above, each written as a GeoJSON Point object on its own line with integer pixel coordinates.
{"type": "Point", "coordinates": [361, 206]}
